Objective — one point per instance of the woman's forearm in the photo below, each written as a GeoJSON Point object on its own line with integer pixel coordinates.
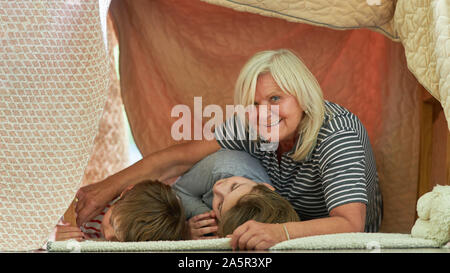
{"type": "Point", "coordinates": [165, 164]}
{"type": "Point", "coordinates": [345, 218]}
{"type": "Point", "coordinates": [320, 226]}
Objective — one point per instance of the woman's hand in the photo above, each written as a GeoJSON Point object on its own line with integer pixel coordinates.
{"type": "Point", "coordinates": [253, 235]}
{"type": "Point", "coordinates": [64, 231]}
{"type": "Point", "coordinates": [91, 200]}
{"type": "Point", "coordinates": [202, 224]}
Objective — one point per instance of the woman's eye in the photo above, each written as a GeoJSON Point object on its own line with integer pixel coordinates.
{"type": "Point", "coordinates": [275, 98]}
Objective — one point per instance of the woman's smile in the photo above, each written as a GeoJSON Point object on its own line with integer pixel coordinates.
{"type": "Point", "coordinates": [273, 124]}
{"type": "Point", "coordinates": [277, 110]}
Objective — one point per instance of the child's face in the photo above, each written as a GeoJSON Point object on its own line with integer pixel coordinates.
{"type": "Point", "coordinates": [106, 226]}
{"type": "Point", "coordinates": [228, 191]}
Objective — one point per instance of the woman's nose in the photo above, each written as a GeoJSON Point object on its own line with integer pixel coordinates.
{"type": "Point", "coordinates": [263, 110]}
{"type": "Point", "coordinates": [268, 112]}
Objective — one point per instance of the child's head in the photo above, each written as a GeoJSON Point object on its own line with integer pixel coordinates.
{"type": "Point", "coordinates": [261, 204]}
{"type": "Point", "coordinates": [149, 211]}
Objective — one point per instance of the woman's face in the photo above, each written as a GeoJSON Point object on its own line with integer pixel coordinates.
{"type": "Point", "coordinates": [228, 191]}
{"type": "Point", "coordinates": [289, 114]}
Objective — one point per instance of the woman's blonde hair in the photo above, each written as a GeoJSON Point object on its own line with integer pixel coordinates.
{"type": "Point", "coordinates": [294, 78]}
{"type": "Point", "coordinates": [260, 204]}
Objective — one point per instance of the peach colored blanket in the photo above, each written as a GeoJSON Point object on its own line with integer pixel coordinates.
{"type": "Point", "coordinates": [190, 48]}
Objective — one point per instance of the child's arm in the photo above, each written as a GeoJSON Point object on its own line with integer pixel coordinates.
{"type": "Point", "coordinates": [203, 224]}
{"type": "Point", "coordinates": [64, 231]}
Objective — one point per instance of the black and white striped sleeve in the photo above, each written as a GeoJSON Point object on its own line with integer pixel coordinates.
{"type": "Point", "coordinates": [233, 135]}
{"type": "Point", "coordinates": [342, 165]}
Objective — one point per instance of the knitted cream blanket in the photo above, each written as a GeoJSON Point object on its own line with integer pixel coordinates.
{"type": "Point", "coordinates": [321, 242]}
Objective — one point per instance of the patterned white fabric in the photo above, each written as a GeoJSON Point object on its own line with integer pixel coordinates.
{"type": "Point", "coordinates": [349, 14]}
{"type": "Point", "coordinates": [423, 27]}
{"type": "Point", "coordinates": [54, 74]}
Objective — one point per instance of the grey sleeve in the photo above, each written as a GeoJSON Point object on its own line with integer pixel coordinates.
{"type": "Point", "coordinates": [193, 185]}
{"type": "Point", "coordinates": [193, 205]}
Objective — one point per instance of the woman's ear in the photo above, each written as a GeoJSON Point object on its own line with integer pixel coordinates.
{"type": "Point", "coordinates": [269, 186]}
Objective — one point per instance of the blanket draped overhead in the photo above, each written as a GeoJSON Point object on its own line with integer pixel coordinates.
{"type": "Point", "coordinates": [371, 56]}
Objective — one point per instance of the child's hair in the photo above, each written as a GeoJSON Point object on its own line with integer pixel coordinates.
{"type": "Point", "coordinates": [260, 204]}
{"type": "Point", "coordinates": [150, 211]}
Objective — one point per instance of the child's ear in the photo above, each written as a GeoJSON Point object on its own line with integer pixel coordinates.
{"type": "Point", "coordinates": [269, 186]}
{"type": "Point", "coordinates": [127, 189]}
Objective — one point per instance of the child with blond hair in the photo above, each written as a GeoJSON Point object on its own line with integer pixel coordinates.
{"type": "Point", "coordinates": [148, 211]}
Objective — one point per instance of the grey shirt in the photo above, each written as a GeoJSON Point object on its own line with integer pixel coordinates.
{"type": "Point", "coordinates": [195, 187]}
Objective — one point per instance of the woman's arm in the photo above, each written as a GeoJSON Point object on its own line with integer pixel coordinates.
{"type": "Point", "coordinates": [165, 164]}
{"type": "Point", "coordinates": [253, 235]}
{"type": "Point", "coordinates": [162, 165]}
{"type": "Point", "coordinates": [346, 218]}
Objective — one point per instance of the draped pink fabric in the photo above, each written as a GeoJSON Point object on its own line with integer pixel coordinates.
{"type": "Point", "coordinates": [171, 51]}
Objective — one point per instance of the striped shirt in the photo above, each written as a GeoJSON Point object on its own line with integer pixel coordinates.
{"type": "Point", "coordinates": [340, 169]}
{"type": "Point", "coordinates": [92, 228]}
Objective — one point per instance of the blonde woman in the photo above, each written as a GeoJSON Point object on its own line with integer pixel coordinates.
{"type": "Point", "coordinates": [323, 165]}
